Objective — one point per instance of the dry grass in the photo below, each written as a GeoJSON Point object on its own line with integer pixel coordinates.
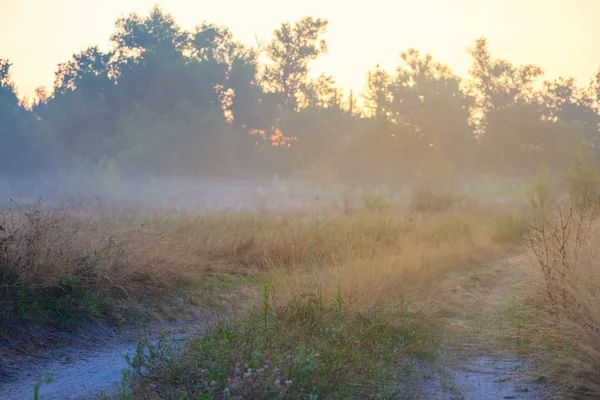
{"type": "Point", "coordinates": [359, 324]}
{"type": "Point", "coordinates": [391, 258]}
{"type": "Point", "coordinates": [55, 253]}
{"type": "Point", "coordinates": [335, 311]}
{"type": "Point", "coordinates": [565, 296]}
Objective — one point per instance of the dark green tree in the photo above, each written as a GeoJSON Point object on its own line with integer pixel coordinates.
{"type": "Point", "coordinates": [21, 141]}
{"type": "Point", "coordinates": [290, 52]}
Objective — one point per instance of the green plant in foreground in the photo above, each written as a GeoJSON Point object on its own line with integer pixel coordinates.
{"type": "Point", "coordinates": [65, 304]}
{"type": "Point", "coordinates": [36, 388]}
{"type": "Point", "coordinates": [308, 353]}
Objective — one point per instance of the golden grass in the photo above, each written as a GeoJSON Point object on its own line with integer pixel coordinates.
{"type": "Point", "coordinates": [368, 256]}
{"type": "Point", "coordinates": [377, 267]}
{"type": "Point", "coordinates": [564, 295]}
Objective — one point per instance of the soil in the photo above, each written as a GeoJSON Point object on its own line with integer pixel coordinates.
{"type": "Point", "coordinates": [83, 364]}
{"type": "Point", "coordinates": [475, 364]}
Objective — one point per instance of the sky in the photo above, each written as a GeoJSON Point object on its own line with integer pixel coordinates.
{"type": "Point", "coordinates": [558, 35]}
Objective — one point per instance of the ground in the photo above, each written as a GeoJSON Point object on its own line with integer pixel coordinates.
{"type": "Point", "coordinates": [479, 360]}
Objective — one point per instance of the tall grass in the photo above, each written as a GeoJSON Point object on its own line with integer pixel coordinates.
{"type": "Point", "coordinates": [89, 263]}
{"type": "Point", "coordinates": [375, 261]}
{"type": "Point", "coordinates": [338, 317]}
{"type": "Point", "coordinates": [336, 321]}
{"type": "Point", "coordinates": [565, 295]}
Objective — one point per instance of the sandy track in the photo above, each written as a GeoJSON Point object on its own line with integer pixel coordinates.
{"type": "Point", "coordinates": [86, 369]}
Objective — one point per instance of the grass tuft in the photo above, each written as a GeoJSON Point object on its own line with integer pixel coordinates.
{"type": "Point", "coordinates": [306, 349]}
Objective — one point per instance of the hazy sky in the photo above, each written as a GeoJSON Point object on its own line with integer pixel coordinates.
{"type": "Point", "coordinates": [562, 36]}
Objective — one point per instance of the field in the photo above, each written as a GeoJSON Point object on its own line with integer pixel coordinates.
{"type": "Point", "coordinates": [338, 296]}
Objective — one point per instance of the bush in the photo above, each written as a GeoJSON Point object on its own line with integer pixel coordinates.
{"type": "Point", "coordinates": [47, 274]}
{"type": "Point", "coordinates": [565, 294]}
{"type": "Point", "coordinates": [583, 182]}
{"type": "Point", "coordinates": [377, 201]}
{"type": "Point", "coordinates": [435, 188]}
{"type": "Point", "coordinates": [539, 193]}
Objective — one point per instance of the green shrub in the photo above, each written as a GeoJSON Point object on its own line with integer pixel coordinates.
{"type": "Point", "coordinates": [583, 182]}
{"type": "Point", "coordinates": [377, 200]}
{"type": "Point", "coordinates": [539, 192]}
{"type": "Point", "coordinates": [435, 188]}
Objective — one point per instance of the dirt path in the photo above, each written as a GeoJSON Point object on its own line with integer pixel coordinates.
{"type": "Point", "coordinates": [87, 369]}
{"type": "Point", "coordinates": [478, 363]}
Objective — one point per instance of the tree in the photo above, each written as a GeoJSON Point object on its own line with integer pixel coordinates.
{"type": "Point", "coordinates": [247, 103]}
{"type": "Point", "coordinates": [232, 68]}
{"type": "Point", "coordinates": [508, 111]}
{"type": "Point", "coordinates": [426, 97]}
{"type": "Point", "coordinates": [497, 83]}
{"type": "Point", "coordinates": [136, 37]}
{"type": "Point", "coordinates": [151, 66]}
{"type": "Point", "coordinates": [290, 52]}
{"type": "Point", "coordinates": [89, 70]}
{"type": "Point", "coordinates": [573, 107]}
{"type": "Point", "coordinates": [593, 103]}
{"type": "Point", "coordinates": [83, 109]}
{"type": "Point", "coordinates": [378, 97]}
{"type": "Point", "coordinates": [20, 144]}
{"type": "Point", "coordinates": [321, 93]}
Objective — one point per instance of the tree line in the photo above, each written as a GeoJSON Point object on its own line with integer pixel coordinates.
{"type": "Point", "coordinates": [166, 101]}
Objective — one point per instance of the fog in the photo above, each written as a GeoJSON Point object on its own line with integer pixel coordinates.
{"type": "Point", "coordinates": [198, 120]}
{"type": "Point", "coordinates": [174, 194]}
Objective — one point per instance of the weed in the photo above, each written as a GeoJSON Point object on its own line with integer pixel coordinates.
{"type": "Point", "coordinates": [41, 381]}
{"type": "Point", "coordinates": [308, 354]}
{"type": "Point", "coordinates": [564, 294]}
{"type": "Point", "coordinates": [377, 201]}
{"type": "Point", "coordinates": [583, 182]}
{"type": "Point", "coordinates": [539, 193]}
{"type": "Point", "coordinates": [61, 265]}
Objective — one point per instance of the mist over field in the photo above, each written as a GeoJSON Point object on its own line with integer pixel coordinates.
{"type": "Point", "coordinates": [164, 103]}
{"type": "Point", "coordinates": [435, 235]}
